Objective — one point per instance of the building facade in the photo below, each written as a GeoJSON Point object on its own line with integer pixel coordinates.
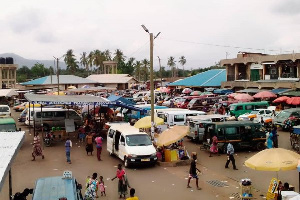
{"type": "Point", "coordinates": [8, 74]}
{"type": "Point", "coordinates": [256, 70]}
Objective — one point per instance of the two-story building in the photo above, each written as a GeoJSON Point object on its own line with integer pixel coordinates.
{"type": "Point", "coordinates": [257, 70]}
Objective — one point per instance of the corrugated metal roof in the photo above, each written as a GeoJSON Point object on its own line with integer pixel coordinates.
{"type": "Point", "coordinates": [8, 92]}
{"type": "Point", "coordinates": [210, 78]}
{"type": "Point", "coordinates": [280, 90]}
{"type": "Point", "coordinates": [110, 78]}
{"type": "Point", "coordinates": [63, 79]}
{"type": "Point", "coordinates": [10, 144]}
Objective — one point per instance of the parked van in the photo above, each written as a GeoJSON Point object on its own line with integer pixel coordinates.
{"type": "Point", "coordinates": [241, 134]}
{"type": "Point", "coordinates": [201, 102]}
{"type": "Point", "coordinates": [238, 109]}
{"type": "Point", "coordinates": [130, 145]}
{"type": "Point", "coordinates": [197, 124]}
{"type": "Point", "coordinates": [281, 117]}
{"type": "Point", "coordinates": [5, 111]}
{"type": "Point", "coordinates": [8, 124]}
{"type": "Point", "coordinates": [52, 117]}
{"type": "Point", "coordinates": [57, 187]}
{"type": "Point", "coordinates": [176, 117]}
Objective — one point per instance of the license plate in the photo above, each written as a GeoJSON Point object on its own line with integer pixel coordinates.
{"type": "Point", "coordinates": [144, 160]}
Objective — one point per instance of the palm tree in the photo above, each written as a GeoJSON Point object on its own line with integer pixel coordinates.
{"type": "Point", "coordinates": [137, 70]}
{"type": "Point", "coordinates": [90, 59]}
{"type": "Point", "coordinates": [84, 61]}
{"type": "Point", "coordinates": [172, 63]}
{"type": "Point", "coordinates": [145, 63]}
{"type": "Point", "coordinates": [98, 60]}
{"type": "Point", "coordinates": [119, 56]}
{"type": "Point", "coordinates": [182, 61]}
{"type": "Point", "coordinates": [70, 61]}
{"type": "Point", "coordinates": [107, 54]}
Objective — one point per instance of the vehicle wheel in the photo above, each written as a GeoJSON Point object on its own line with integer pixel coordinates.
{"type": "Point", "coordinates": [260, 146]}
{"type": "Point", "coordinates": [46, 127]}
{"type": "Point", "coordinates": [126, 164]}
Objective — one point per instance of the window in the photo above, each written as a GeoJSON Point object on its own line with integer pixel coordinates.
{"type": "Point", "coordinates": [249, 107]}
{"type": "Point", "coordinates": [163, 116]}
{"type": "Point", "coordinates": [178, 118]}
{"type": "Point", "coordinates": [122, 139]}
{"type": "Point", "coordinates": [220, 131]}
{"type": "Point", "coordinates": [72, 114]}
{"type": "Point", "coordinates": [44, 114]}
{"type": "Point", "coordinates": [239, 108]}
{"type": "Point", "coordinates": [268, 111]}
{"type": "Point", "coordinates": [111, 133]}
{"type": "Point", "coordinates": [295, 114]}
{"type": "Point", "coordinates": [261, 112]}
{"type": "Point", "coordinates": [60, 114]}
{"type": "Point", "coordinates": [264, 106]}
{"type": "Point", "coordinates": [231, 131]}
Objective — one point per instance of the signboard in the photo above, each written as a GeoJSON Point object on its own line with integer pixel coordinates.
{"type": "Point", "coordinates": [272, 189]}
{"type": "Point", "coordinates": [256, 66]}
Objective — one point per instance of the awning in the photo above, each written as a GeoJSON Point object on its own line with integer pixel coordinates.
{"type": "Point", "coordinates": [250, 91]}
{"type": "Point", "coordinates": [291, 93]}
{"type": "Point", "coordinates": [222, 91]}
{"type": "Point", "coordinates": [10, 144]}
{"type": "Point", "coordinates": [269, 63]}
{"type": "Point", "coordinates": [120, 99]}
{"type": "Point", "coordinates": [280, 90]}
{"type": "Point", "coordinates": [8, 92]}
{"type": "Point", "coordinates": [67, 100]}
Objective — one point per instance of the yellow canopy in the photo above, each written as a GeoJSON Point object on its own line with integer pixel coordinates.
{"type": "Point", "coordinates": [60, 93]}
{"type": "Point", "coordinates": [172, 135]}
{"type": "Point", "coordinates": [274, 159]}
{"type": "Point", "coordinates": [145, 122]}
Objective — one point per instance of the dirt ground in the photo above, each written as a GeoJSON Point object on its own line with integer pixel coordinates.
{"type": "Point", "coordinates": [150, 182]}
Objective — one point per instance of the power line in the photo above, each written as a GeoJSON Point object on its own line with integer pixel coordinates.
{"type": "Point", "coordinates": [139, 49]}
{"type": "Point", "coordinates": [225, 46]}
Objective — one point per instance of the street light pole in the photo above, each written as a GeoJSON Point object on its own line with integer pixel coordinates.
{"type": "Point", "coordinates": [151, 79]}
{"type": "Point", "coordinates": [160, 72]}
{"type": "Point", "coordinates": [57, 73]}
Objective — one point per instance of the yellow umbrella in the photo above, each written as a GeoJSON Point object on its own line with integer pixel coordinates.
{"type": "Point", "coordinates": [172, 135]}
{"type": "Point", "coordinates": [60, 93]}
{"type": "Point", "coordinates": [274, 159]}
{"type": "Point", "coordinates": [145, 122]}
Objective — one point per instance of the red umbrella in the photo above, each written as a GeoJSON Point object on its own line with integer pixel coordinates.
{"type": "Point", "coordinates": [265, 94]}
{"type": "Point", "coordinates": [293, 100]}
{"type": "Point", "coordinates": [244, 97]}
{"type": "Point", "coordinates": [281, 99]}
{"type": "Point", "coordinates": [232, 95]}
{"type": "Point", "coordinates": [187, 91]}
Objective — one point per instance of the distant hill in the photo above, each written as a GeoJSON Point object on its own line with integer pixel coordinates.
{"type": "Point", "coordinates": [29, 63]}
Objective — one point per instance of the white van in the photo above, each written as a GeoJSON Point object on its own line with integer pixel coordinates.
{"type": "Point", "coordinates": [52, 117]}
{"type": "Point", "coordinates": [139, 96]}
{"type": "Point", "coordinates": [130, 145]}
{"type": "Point", "coordinates": [196, 125]}
{"type": "Point", "coordinates": [5, 111]}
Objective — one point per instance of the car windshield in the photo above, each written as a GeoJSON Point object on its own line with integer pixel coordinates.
{"type": "Point", "coordinates": [4, 109]}
{"type": "Point", "coordinates": [138, 140]}
{"type": "Point", "coordinates": [284, 114]}
{"type": "Point", "coordinates": [254, 112]}
{"type": "Point", "coordinates": [7, 127]}
{"type": "Point", "coordinates": [232, 108]}
{"type": "Point", "coordinates": [193, 101]}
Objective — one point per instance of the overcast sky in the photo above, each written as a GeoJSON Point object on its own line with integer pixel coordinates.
{"type": "Point", "coordinates": [202, 31]}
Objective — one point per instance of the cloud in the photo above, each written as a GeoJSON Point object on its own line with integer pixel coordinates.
{"type": "Point", "coordinates": [45, 37]}
{"type": "Point", "coordinates": [24, 21]}
{"type": "Point", "coordinates": [288, 7]}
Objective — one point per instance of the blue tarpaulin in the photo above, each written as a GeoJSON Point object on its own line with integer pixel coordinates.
{"type": "Point", "coordinates": [222, 91]}
{"type": "Point", "coordinates": [114, 98]}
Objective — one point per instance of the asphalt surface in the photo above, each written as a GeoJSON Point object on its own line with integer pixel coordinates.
{"type": "Point", "coordinates": [150, 182]}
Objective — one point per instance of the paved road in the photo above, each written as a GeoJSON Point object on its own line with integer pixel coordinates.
{"type": "Point", "coordinates": [150, 182]}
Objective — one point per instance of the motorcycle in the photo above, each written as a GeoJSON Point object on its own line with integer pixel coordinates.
{"type": "Point", "coordinates": [48, 139]}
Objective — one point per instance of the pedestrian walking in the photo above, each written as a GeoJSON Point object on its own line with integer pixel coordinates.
{"type": "Point", "coordinates": [214, 146]}
{"type": "Point", "coordinates": [89, 144]}
{"type": "Point", "coordinates": [123, 181]}
{"type": "Point", "coordinates": [37, 149]}
{"type": "Point", "coordinates": [68, 146]}
{"type": "Point", "coordinates": [132, 197]}
{"type": "Point", "coordinates": [269, 137]}
{"type": "Point", "coordinates": [101, 186]}
{"type": "Point", "coordinates": [92, 185]}
{"type": "Point", "coordinates": [193, 171]}
{"type": "Point", "coordinates": [230, 156]}
{"type": "Point", "coordinates": [98, 141]}
{"type": "Point", "coordinates": [275, 136]}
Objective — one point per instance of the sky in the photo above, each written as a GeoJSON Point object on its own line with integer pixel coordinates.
{"type": "Point", "coordinates": [203, 31]}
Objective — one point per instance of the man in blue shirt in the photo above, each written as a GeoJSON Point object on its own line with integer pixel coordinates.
{"type": "Point", "coordinates": [230, 156]}
{"type": "Point", "coordinates": [68, 146]}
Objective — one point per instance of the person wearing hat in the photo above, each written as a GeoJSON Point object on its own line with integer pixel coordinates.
{"type": "Point", "coordinates": [193, 171]}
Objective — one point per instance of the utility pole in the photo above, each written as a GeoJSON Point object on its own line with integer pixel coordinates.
{"type": "Point", "coordinates": [160, 72]}
{"type": "Point", "coordinates": [151, 79]}
{"type": "Point", "coordinates": [57, 73]}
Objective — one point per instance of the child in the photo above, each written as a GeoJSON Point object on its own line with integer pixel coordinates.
{"type": "Point", "coordinates": [101, 185]}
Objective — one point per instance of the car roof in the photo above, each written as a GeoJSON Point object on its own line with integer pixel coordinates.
{"type": "Point", "coordinates": [203, 117]}
{"type": "Point", "coordinates": [49, 188]}
{"type": "Point", "coordinates": [234, 123]}
{"type": "Point", "coordinates": [249, 103]}
{"type": "Point", "coordinates": [126, 129]}
{"type": "Point", "coordinates": [7, 120]}
{"type": "Point", "coordinates": [183, 111]}
{"type": "Point", "coordinates": [51, 109]}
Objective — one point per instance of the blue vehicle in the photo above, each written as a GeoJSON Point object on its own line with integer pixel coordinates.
{"type": "Point", "coordinates": [135, 114]}
{"type": "Point", "coordinates": [58, 187]}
